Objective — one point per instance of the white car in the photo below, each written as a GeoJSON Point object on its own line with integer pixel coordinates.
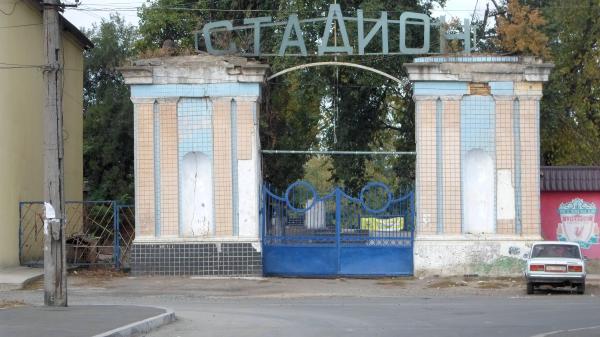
{"type": "Point", "coordinates": [555, 263]}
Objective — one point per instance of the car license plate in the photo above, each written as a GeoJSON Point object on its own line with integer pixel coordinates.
{"type": "Point", "coordinates": [553, 268]}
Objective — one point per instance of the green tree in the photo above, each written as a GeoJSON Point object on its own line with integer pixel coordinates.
{"type": "Point", "coordinates": [167, 20]}
{"type": "Point", "coordinates": [108, 113]}
{"type": "Point", "coordinates": [320, 108]}
{"type": "Point", "coordinates": [373, 112]}
{"type": "Point", "coordinates": [566, 34]}
{"type": "Point", "coordinates": [570, 109]}
{"type": "Point", "coordinates": [177, 20]}
{"type": "Point", "coordinates": [519, 30]}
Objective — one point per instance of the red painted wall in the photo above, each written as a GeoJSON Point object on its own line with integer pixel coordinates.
{"type": "Point", "coordinates": [578, 220]}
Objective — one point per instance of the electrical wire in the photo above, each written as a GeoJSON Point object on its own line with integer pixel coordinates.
{"type": "Point", "coordinates": [102, 7]}
{"type": "Point", "coordinates": [178, 8]}
{"type": "Point", "coordinates": [23, 25]}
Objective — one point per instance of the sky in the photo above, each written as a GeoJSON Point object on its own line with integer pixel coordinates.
{"type": "Point", "coordinates": [93, 11]}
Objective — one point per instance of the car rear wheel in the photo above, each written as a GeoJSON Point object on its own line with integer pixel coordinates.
{"type": "Point", "coordinates": [530, 288]}
{"type": "Point", "coordinates": [581, 288]}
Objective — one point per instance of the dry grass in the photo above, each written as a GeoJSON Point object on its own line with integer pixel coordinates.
{"type": "Point", "coordinates": [95, 277]}
{"type": "Point", "coordinates": [4, 304]}
{"type": "Point", "coordinates": [492, 285]}
{"type": "Point", "coordinates": [441, 284]}
{"type": "Point", "coordinates": [393, 281]}
{"type": "Point", "coordinates": [103, 273]}
{"type": "Point", "coordinates": [35, 285]}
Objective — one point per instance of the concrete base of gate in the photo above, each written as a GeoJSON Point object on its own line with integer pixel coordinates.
{"type": "Point", "coordinates": [192, 257]}
{"type": "Point", "coordinates": [483, 255]}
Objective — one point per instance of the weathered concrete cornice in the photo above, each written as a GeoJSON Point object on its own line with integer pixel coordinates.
{"type": "Point", "coordinates": [196, 69]}
{"type": "Point", "coordinates": [526, 70]}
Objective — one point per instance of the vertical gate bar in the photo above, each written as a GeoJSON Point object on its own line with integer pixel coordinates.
{"type": "Point", "coordinates": [414, 222]}
{"type": "Point", "coordinates": [338, 224]}
{"type": "Point", "coordinates": [263, 213]}
{"type": "Point", "coordinates": [116, 237]}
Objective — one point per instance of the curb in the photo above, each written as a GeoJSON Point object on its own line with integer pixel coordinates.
{"type": "Point", "coordinates": [142, 327]}
{"type": "Point", "coordinates": [20, 285]}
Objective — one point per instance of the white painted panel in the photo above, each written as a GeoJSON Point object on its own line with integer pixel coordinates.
{"type": "Point", "coordinates": [248, 203]}
{"type": "Point", "coordinates": [248, 188]}
{"type": "Point", "coordinates": [506, 195]}
{"type": "Point", "coordinates": [478, 199]}
{"type": "Point", "coordinates": [196, 195]}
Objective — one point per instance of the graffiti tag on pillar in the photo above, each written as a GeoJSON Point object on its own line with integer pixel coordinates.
{"type": "Point", "coordinates": [411, 33]}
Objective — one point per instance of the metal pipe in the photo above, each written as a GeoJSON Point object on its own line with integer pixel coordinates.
{"type": "Point", "coordinates": [330, 63]}
{"type": "Point", "coordinates": [340, 152]}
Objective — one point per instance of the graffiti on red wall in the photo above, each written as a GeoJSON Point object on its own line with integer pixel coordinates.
{"type": "Point", "coordinates": [572, 217]}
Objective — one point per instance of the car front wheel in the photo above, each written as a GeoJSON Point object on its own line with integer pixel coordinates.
{"type": "Point", "coordinates": [530, 288]}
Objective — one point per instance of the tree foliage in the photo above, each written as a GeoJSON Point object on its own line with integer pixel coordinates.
{"type": "Point", "coordinates": [339, 108]}
{"type": "Point", "coordinates": [519, 30]}
{"type": "Point", "coordinates": [108, 114]}
{"type": "Point", "coordinates": [321, 108]}
{"type": "Point", "coordinates": [570, 109]}
{"type": "Point", "coordinates": [567, 34]}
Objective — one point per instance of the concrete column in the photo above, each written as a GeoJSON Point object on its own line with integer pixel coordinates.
{"type": "Point", "coordinates": [222, 166]}
{"type": "Point", "coordinates": [477, 130]}
{"type": "Point", "coordinates": [450, 154]}
{"type": "Point", "coordinates": [197, 165]}
{"type": "Point", "coordinates": [505, 165]}
{"type": "Point", "coordinates": [530, 164]}
{"type": "Point", "coordinates": [169, 167]}
{"type": "Point", "coordinates": [144, 167]}
{"type": "Point", "coordinates": [426, 179]}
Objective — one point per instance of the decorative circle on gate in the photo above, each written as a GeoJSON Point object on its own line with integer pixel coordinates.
{"type": "Point", "coordinates": [300, 196]}
{"type": "Point", "coordinates": [375, 197]}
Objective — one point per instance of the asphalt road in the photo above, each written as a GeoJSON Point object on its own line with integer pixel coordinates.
{"type": "Point", "coordinates": [343, 307]}
{"type": "Point", "coordinates": [29, 321]}
{"type": "Point", "coordinates": [407, 316]}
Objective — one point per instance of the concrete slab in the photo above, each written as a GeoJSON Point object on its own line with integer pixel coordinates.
{"type": "Point", "coordinates": [83, 320]}
{"type": "Point", "coordinates": [14, 278]}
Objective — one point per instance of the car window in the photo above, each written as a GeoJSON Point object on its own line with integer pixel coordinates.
{"type": "Point", "coordinates": [555, 250]}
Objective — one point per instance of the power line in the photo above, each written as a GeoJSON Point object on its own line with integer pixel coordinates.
{"type": "Point", "coordinates": [90, 7]}
{"type": "Point", "coordinates": [4, 65]}
{"type": "Point", "coordinates": [85, 8]}
{"type": "Point", "coordinates": [23, 25]}
{"type": "Point", "coordinates": [20, 64]}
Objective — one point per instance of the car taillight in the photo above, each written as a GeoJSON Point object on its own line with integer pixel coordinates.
{"type": "Point", "coordinates": [575, 269]}
{"type": "Point", "coordinates": [536, 267]}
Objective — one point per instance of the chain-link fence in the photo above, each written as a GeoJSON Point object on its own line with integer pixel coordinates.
{"type": "Point", "coordinates": [97, 233]}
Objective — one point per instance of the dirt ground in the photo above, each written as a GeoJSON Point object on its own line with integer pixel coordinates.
{"type": "Point", "coordinates": [115, 283]}
{"type": "Point", "coordinates": [7, 304]}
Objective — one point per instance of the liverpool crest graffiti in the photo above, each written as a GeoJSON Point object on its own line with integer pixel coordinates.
{"type": "Point", "coordinates": [577, 223]}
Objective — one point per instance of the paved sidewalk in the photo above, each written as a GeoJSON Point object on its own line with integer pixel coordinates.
{"type": "Point", "coordinates": [14, 278]}
{"type": "Point", "coordinates": [82, 320]}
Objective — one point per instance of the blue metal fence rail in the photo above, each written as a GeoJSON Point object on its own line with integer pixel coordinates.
{"type": "Point", "coordinates": [97, 233]}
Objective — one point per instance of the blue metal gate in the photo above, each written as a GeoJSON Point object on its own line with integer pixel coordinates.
{"type": "Point", "coordinates": [305, 234]}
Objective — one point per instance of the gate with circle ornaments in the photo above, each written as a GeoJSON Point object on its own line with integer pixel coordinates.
{"type": "Point", "coordinates": [307, 234]}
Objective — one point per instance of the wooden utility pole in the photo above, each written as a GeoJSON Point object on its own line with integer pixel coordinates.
{"type": "Point", "coordinates": [55, 268]}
